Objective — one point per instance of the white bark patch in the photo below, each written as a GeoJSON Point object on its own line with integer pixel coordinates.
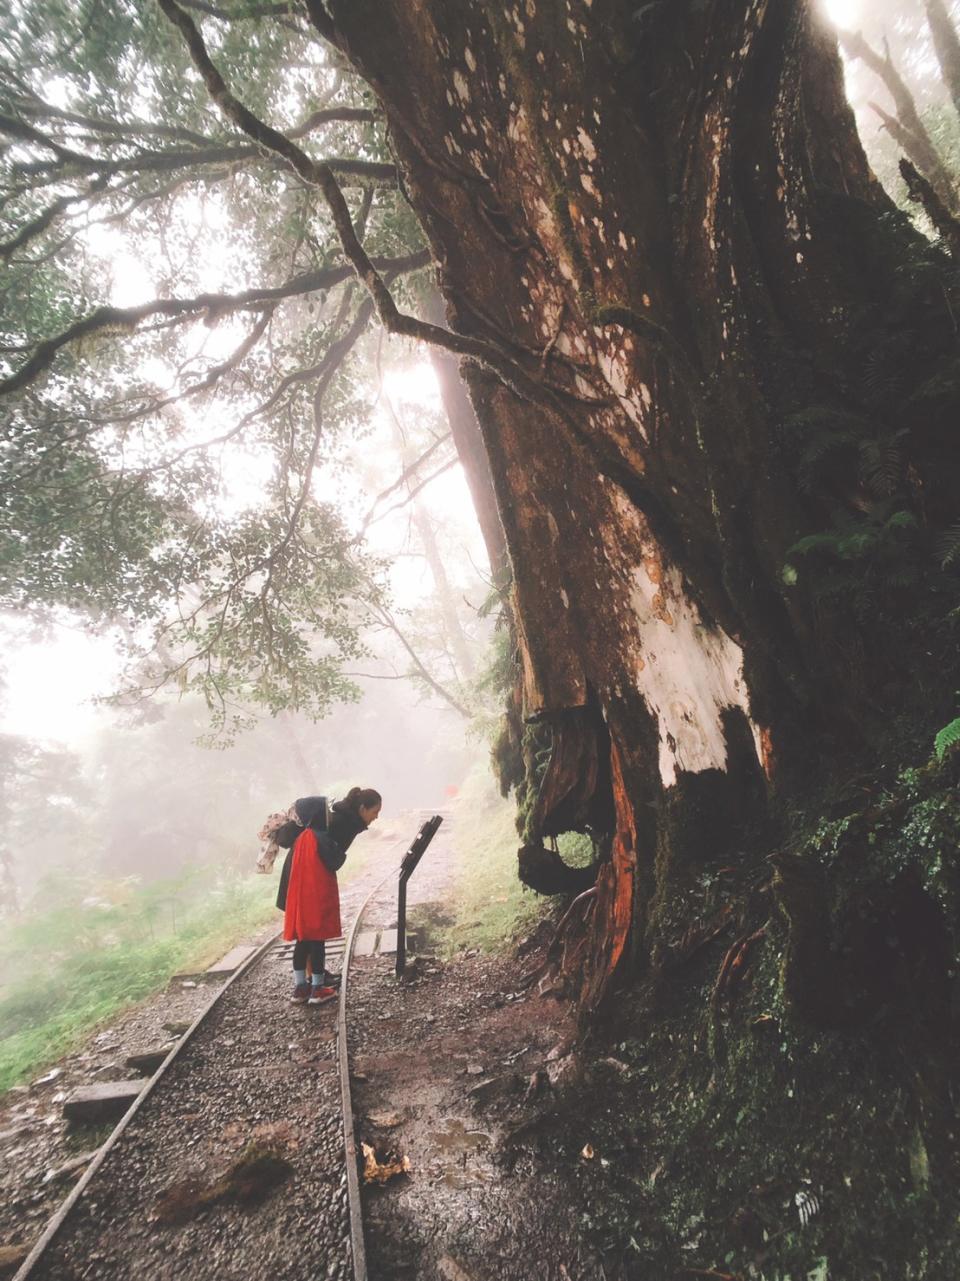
{"type": "Point", "coordinates": [615, 367]}
{"type": "Point", "coordinates": [469, 59]}
{"type": "Point", "coordinates": [461, 86]}
{"type": "Point", "coordinates": [688, 674]}
{"type": "Point", "coordinates": [586, 145]}
{"type": "Point", "coordinates": [587, 183]}
{"type": "Point", "coordinates": [517, 128]}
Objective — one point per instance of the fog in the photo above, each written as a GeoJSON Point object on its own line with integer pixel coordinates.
{"type": "Point", "coordinates": [94, 794]}
{"type": "Point", "coordinates": [145, 790]}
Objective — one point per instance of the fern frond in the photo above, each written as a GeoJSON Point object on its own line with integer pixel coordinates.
{"type": "Point", "coordinates": [901, 519]}
{"type": "Point", "coordinates": [814, 543]}
{"type": "Point", "coordinates": [948, 547]}
{"type": "Point", "coordinates": [881, 464]}
{"type": "Point", "coordinates": [948, 737]}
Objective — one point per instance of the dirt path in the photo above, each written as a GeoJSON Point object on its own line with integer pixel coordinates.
{"type": "Point", "coordinates": [442, 1064]}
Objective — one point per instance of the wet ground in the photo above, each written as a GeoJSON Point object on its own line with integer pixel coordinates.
{"type": "Point", "coordinates": [450, 1071]}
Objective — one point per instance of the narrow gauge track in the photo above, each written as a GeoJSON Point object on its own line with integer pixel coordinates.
{"type": "Point", "coordinates": [253, 1073]}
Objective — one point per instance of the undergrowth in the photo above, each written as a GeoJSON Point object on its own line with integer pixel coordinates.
{"type": "Point", "coordinates": [728, 1137]}
{"type": "Point", "coordinates": [491, 907]}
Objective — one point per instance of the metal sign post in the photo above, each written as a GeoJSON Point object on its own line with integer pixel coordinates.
{"type": "Point", "coordinates": [407, 868]}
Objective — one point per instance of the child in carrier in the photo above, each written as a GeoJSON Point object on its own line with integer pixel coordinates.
{"type": "Point", "coordinates": [309, 896]}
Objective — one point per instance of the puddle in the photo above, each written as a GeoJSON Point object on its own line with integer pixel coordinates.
{"type": "Point", "coordinates": [457, 1145]}
{"type": "Point", "coordinates": [456, 1139]}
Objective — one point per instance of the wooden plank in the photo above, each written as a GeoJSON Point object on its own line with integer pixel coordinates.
{"type": "Point", "coordinates": [365, 945]}
{"type": "Point", "coordinates": [101, 1102]}
{"type": "Point", "coordinates": [233, 959]}
{"type": "Point", "coordinates": [147, 1063]}
{"type": "Point", "coordinates": [388, 942]}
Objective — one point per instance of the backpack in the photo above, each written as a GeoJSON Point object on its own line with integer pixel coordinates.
{"type": "Point", "coordinates": [280, 831]}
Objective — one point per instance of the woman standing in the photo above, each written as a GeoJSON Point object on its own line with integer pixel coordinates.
{"type": "Point", "coordinates": [312, 901]}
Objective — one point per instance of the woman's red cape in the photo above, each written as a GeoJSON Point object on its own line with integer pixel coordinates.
{"type": "Point", "coordinates": [313, 899]}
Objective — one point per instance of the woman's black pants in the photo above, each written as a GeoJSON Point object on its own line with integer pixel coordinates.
{"type": "Point", "coordinates": [316, 950]}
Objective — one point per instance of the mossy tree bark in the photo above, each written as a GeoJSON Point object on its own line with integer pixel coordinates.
{"type": "Point", "coordinates": [664, 214]}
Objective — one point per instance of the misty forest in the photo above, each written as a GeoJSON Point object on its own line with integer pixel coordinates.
{"type": "Point", "coordinates": [543, 412]}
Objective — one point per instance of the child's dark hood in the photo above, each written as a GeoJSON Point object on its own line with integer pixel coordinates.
{"type": "Point", "coordinates": [312, 812]}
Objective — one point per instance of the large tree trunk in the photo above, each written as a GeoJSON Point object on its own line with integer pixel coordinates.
{"type": "Point", "coordinates": [664, 212]}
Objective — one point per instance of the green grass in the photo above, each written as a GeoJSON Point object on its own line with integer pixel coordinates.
{"type": "Point", "coordinates": [65, 970]}
{"type": "Point", "coordinates": [491, 907]}
{"type": "Point", "coordinates": [99, 947]}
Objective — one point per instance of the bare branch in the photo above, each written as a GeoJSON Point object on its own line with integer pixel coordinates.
{"type": "Point", "coordinates": [281, 10]}
{"type": "Point", "coordinates": [923, 193]}
{"type": "Point", "coordinates": [404, 477]}
{"type": "Point", "coordinates": [451, 462]}
{"type": "Point", "coordinates": [384, 617]}
{"type": "Point", "coordinates": [126, 319]}
{"type": "Point", "coordinates": [915, 140]}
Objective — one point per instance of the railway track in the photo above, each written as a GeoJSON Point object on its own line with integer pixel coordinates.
{"type": "Point", "coordinates": [238, 1156]}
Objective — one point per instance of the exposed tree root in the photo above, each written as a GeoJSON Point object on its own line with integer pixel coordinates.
{"type": "Point", "coordinates": [733, 970]}
{"type": "Point", "coordinates": [544, 870]}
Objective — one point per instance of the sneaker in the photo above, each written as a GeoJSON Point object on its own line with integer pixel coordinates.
{"type": "Point", "coordinates": [301, 993]}
{"type": "Point", "coordinates": [319, 995]}
{"type": "Point", "coordinates": [331, 980]}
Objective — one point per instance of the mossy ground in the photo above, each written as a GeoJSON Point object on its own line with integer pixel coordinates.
{"type": "Point", "coordinates": [731, 1138]}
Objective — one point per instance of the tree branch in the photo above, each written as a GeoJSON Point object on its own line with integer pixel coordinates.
{"type": "Point", "coordinates": [922, 193]}
{"type": "Point", "coordinates": [403, 477]}
{"type": "Point", "coordinates": [920, 148]}
{"type": "Point", "coordinates": [387, 620]}
{"type": "Point", "coordinates": [126, 319]}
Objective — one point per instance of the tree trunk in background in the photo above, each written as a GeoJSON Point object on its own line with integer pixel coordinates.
{"type": "Point", "coordinates": [947, 45]}
{"type": "Point", "coordinates": [469, 442]}
{"type": "Point", "coordinates": [906, 128]}
{"type": "Point", "coordinates": [664, 211]}
{"type": "Point", "coordinates": [454, 635]}
{"type": "Point", "coordinates": [453, 628]}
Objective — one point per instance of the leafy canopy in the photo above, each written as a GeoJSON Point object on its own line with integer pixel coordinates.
{"type": "Point", "coordinates": [178, 343]}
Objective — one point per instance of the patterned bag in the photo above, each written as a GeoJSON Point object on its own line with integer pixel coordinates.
{"type": "Point", "coordinates": [268, 834]}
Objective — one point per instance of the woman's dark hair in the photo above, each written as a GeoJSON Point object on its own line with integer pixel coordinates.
{"type": "Point", "coordinates": [357, 797]}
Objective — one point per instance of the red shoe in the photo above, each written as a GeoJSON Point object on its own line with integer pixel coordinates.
{"type": "Point", "coordinates": [320, 995]}
{"type": "Point", "coordinates": [301, 993]}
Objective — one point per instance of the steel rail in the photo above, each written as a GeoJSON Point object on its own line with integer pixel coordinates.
{"type": "Point", "coordinates": [56, 1222]}
{"type": "Point", "coordinates": [358, 1251]}
{"type": "Point", "coordinates": [357, 1247]}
